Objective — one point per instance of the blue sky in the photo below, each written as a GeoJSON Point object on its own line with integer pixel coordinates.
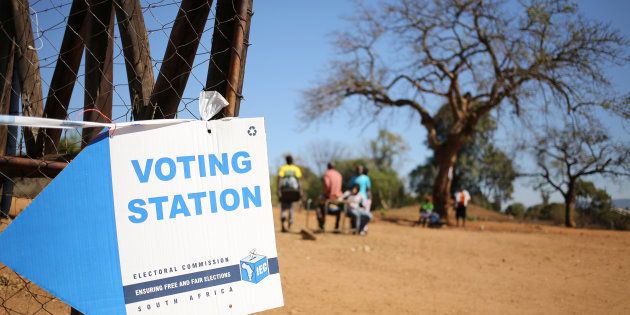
{"type": "Point", "coordinates": [291, 46]}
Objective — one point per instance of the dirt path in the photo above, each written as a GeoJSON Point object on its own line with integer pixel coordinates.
{"type": "Point", "coordinates": [488, 267]}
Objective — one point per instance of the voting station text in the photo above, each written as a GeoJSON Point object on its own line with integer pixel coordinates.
{"type": "Point", "coordinates": [192, 203]}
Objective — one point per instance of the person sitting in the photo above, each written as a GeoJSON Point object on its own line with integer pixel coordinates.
{"type": "Point", "coordinates": [434, 220]}
{"type": "Point", "coordinates": [329, 202]}
{"type": "Point", "coordinates": [360, 217]}
{"type": "Point", "coordinates": [426, 209]}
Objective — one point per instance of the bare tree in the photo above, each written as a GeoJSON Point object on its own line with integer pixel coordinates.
{"type": "Point", "coordinates": [565, 156]}
{"type": "Point", "coordinates": [319, 153]}
{"type": "Point", "coordinates": [473, 55]}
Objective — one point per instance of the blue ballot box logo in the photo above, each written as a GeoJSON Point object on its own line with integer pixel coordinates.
{"type": "Point", "coordinates": [254, 268]}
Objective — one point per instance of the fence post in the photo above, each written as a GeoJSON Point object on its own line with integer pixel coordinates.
{"type": "Point", "coordinates": [135, 46]}
{"type": "Point", "coordinates": [11, 146]}
{"type": "Point", "coordinates": [98, 67]}
{"type": "Point", "coordinates": [65, 75]}
{"type": "Point", "coordinates": [229, 50]}
{"type": "Point", "coordinates": [179, 57]}
{"type": "Point", "coordinates": [27, 66]}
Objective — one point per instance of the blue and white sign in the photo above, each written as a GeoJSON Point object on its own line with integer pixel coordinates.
{"type": "Point", "coordinates": [156, 219]}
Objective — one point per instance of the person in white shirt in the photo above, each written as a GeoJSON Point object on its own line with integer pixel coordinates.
{"type": "Point", "coordinates": [359, 215]}
{"type": "Point", "coordinates": [462, 197]}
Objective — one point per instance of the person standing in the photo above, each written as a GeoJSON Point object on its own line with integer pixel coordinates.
{"type": "Point", "coordinates": [289, 191]}
{"type": "Point", "coordinates": [365, 185]}
{"type": "Point", "coordinates": [462, 197]}
{"type": "Point", "coordinates": [332, 181]}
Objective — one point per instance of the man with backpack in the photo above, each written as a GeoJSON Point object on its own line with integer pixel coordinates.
{"type": "Point", "coordinates": [289, 191]}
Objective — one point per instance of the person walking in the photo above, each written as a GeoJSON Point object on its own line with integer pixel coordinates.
{"type": "Point", "coordinates": [462, 197]}
{"type": "Point", "coordinates": [289, 191]}
{"type": "Point", "coordinates": [332, 194]}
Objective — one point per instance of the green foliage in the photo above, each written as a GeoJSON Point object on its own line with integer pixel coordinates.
{"type": "Point", "coordinates": [386, 148]}
{"type": "Point", "coordinates": [516, 210]}
{"type": "Point", "coordinates": [551, 212]}
{"type": "Point", "coordinates": [421, 178]}
{"type": "Point", "coordinates": [69, 144]}
{"type": "Point", "coordinates": [613, 220]}
{"type": "Point", "coordinates": [387, 189]}
{"type": "Point", "coordinates": [312, 185]}
{"type": "Point", "coordinates": [594, 208]}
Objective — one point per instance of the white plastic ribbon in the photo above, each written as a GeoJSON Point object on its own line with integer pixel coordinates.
{"type": "Point", "coordinates": [37, 122]}
{"type": "Point", "coordinates": [210, 103]}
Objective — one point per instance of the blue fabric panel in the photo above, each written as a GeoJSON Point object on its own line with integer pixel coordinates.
{"type": "Point", "coordinates": [65, 241]}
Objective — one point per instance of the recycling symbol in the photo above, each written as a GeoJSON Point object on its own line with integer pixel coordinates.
{"type": "Point", "coordinates": [251, 131]}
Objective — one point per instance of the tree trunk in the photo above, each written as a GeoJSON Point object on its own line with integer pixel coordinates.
{"type": "Point", "coordinates": [569, 206]}
{"type": "Point", "coordinates": [445, 158]}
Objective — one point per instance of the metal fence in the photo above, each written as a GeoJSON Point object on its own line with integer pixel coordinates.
{"type": "Point", "coordinates": [102, 60]}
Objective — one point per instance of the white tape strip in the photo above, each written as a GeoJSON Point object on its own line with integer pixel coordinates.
{"type": "Point", "coordinates": [37, 122]}
{"type": "Point", "coordinates": [24, 121]}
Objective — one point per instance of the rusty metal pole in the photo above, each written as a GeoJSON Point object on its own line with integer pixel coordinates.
{"type": "Point", "coordinates": [7, 57]}
{"type": "Point", "coordinates": [27, 65]}
{"type": "Point", "coordinates": [246, 44]}
{"type": "Point", "coordinates": [11, 146]}
{"type": "Point", "coordinates": [99, 47]}
{"type": "Point", "coordinates": [229, 49]}
{"type": "Point", "coordinates": [65, 75]}
{"type": "Point", "coordinates": [135, 46]}
{"type": "Point", "coordinates": [15, 166]}
{"type": "Point", "coordinates": [236, 59]}
{"type": "Point", "coordinates": [179, 57]}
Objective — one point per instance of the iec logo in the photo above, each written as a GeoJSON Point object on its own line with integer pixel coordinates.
{"type": "Point", "coordinates": [254, 268]}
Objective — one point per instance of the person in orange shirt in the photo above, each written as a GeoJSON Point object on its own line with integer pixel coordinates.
{"type": "Point", "coordinates": [332, 181]}
{"type": "Point", "coordinates": [462, 197]}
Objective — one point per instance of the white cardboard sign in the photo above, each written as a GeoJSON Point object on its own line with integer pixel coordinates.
{"type": "Point", "coordinates": [193, 218]}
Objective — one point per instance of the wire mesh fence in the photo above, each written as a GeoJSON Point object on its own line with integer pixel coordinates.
{"type": "Point", "coordinates": [104, 61]}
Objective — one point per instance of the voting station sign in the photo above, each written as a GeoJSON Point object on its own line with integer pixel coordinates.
{"type": "Point", "coordinates": [156, 219]}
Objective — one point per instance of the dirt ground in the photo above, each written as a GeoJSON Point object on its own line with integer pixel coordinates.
{"type": "Point", "coordinates": [488, 267]}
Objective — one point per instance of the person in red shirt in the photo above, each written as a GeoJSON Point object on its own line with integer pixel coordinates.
{"type": "Point", "coordinates": [331, 197]}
